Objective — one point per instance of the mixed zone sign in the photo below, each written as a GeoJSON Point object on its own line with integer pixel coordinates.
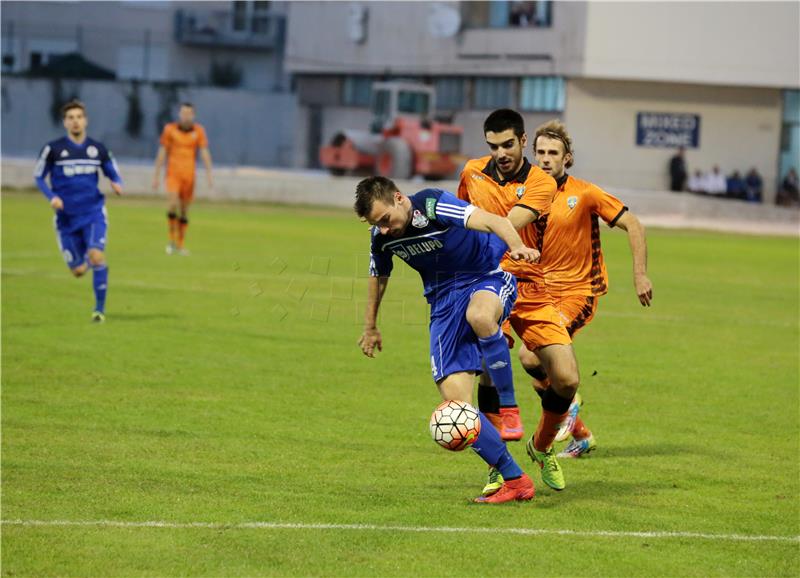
{"type": "Point", "coordinates": [667, 130]}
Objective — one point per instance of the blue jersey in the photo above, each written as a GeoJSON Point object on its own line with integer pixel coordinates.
{"type": "Point", "coordinates": [73, 170]}
{"type": "Point", "coordinates": [438, 245]}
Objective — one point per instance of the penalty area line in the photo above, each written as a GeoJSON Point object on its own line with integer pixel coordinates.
{"type": "Point", "coordinates": [379, 528]}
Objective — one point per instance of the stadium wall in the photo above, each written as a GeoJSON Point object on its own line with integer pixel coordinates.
{"type": "Point", "coordinates": [244, 127]}
{"type": "Point", "coordinates": [740, 128]}
{"type": "Point", "coordinates": [655, 207]}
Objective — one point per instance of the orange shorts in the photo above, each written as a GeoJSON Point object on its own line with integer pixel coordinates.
{"type": "Point", "coordinates": [576, 311]}
{"type": "Point", "coordinates": [535, 318]}
{"type": "Point", "coordinates": [182, 185]}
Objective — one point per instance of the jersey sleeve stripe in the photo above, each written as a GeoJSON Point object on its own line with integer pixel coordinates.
{"type": "Point", "coordinates": [42, 162]}
{"type": "Point", "coordinates": [613, 221]}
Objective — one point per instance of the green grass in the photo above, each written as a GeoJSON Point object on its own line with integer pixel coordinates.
{"type": "Point", "coordinates": [227, 388]}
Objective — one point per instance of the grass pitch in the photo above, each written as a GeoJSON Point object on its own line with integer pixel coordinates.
{"type": "Point", "coordinates": [226, 388]}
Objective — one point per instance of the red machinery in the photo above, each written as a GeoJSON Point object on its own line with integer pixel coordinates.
{"type": "Point", "coordinates": [404, 143]}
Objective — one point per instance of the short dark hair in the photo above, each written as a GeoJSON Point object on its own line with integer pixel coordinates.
{"type": "Point", "coordinates": [504, 119]}
{"type": "Point", "coordinates": [72, 104]}
{"type": "Point", "coordinates": [187, 103]}
{"type": "Point", "coordinates": [370, 190]}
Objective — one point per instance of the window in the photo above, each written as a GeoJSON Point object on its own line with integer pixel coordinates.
{"type": "Point", "coordinates": [413, 102]}
{"type": "Point", "coordinates": [450, 93]}
{"type": "Point", "coordinates": [491, 93]}
{"type": "Point", "coordinates": [542, 93]}
{"type": "Point", "coordinates": [357, 90]}
{"type": "Point", "coordinates": [507, 14]}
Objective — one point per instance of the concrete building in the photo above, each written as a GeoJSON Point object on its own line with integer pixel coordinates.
{"type": "Point", "coordinates": [230, 44]}
{"type": "Point", "coordinates": [631, 80]}
{"type": "Point", "coordinates": [225, 57]}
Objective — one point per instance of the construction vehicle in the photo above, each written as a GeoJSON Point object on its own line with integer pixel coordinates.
{"type": "Point", "coordinates": [403, 140]}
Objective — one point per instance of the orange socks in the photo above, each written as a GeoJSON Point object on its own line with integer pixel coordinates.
{"type": "Point", "coordinates": [579, 430]}
{"type": "Point", "coordinates": [173, 227]}
{"type": "Point", "coordinates": [182, 225]}
{"type": "Point", "coordinates": [549, 424]}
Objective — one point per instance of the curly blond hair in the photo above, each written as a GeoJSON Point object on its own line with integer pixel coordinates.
{"type": "Point", "coordinates": [555, 129]}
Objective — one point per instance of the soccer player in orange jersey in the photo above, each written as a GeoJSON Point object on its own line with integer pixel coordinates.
{"type": "Point", "coordinates": [572, 260]}
{"type": "Point", "coordinates": [505, 183]}
{"type": "Point", "coordinates": [180, 142]}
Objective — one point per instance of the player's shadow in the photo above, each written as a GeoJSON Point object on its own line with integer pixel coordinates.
{"type": "Point", "coordinates": [643, 451]}
{"type": "Point", "coordinates": [598, 491]}
{"type": "Point", "coordinates": [137, 317]}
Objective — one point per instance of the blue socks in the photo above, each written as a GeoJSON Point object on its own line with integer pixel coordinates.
{"type": "Point", "coordinates": [497, 357]}
{"type": "Point", "coordinates": [493, 450]}
{"type": "Point", "coordinates": [100, 284]}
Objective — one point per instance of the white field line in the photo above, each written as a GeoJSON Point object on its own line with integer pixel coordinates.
{"type": "Point", "coordinates": [378, 528]}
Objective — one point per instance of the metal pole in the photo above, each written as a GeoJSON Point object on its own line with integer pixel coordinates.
{"type": "Point", "coordinates": [146, 67]}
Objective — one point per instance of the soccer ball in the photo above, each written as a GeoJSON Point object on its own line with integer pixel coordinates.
{"type": "Point", "coordinates": [455, 425]}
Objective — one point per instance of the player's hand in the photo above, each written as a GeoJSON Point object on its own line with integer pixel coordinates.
{"type": "Point", "coordinates": [117, 188]}
{"type": "Point", "coordinates": [524, 253]}
{"type": "Point", "coordinates": [644, 289]}
{"type": "Point", "coordinates": [57, 203]}
{"type": "Point", "coordinates": [369, 340]}
{"type": "Point", "coordinates": [155, 184]}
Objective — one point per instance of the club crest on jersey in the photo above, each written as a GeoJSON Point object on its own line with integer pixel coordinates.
{"type": "Point", "coordinates": [91, 151]}
{"type": "Point", "coordinates": [572, 201]}
{"type": "Point", "coordinates": [520, 191]}
{"type": "Point", "coordinates": [64, 153]}
{"type": "Point", "coordinates": [419, 220]}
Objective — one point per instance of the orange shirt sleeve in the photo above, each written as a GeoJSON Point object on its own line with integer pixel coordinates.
{"type": "Point", "coordinates": [606, 205]}
{"type": "Point", "coordinates": [202, 139]}
{"type": "Point", "coordinates": [165, 137]}
{"type": "Point", "coordinates": [540, 188]}
{"type": "Point", "coordinates": [463, 192]}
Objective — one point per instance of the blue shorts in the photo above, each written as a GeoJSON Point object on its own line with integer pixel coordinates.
{"type": "Point", "coordinates": [454, 345]}
{"type": "Point", "coordinates": [79, 233]}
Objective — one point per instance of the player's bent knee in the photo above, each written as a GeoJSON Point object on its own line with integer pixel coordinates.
{"type": "Point", "coordinates": [482, 321]}
{"type": "Point", "coordinates": [97, 258]}
{"type": "Point", "coordinates": [565, 383]}
{"type": "Point", "coordinates": [79, 271]}
{"type": "Point", "coordinates": [528, 359]}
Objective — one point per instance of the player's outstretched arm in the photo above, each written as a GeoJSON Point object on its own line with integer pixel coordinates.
{"type": "Point", "coordinates": [111, 170]}
{"type": "Point", "coordinates": [638, 242]}
{"type": "Point", "coordinates": [206, 156]}
{"type": "Point", "coordinates": [371, 337]}
{"type": "Point", "coordinates": [161, 156]}
{"type": "Point", "coordinates": [481, 220]}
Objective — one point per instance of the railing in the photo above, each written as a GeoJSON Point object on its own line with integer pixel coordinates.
{"type": "Point", "coordinates": [227, 30]}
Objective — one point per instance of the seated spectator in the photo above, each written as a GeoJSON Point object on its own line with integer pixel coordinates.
{"type": "Point", "coordinates": [697, 182]}
{"type": "Point", "coordinates": [789, 193]}
{"type": "Point", "coordinates": [754, 185]}
{"type": "Point", "coordinates": [715, 182]}
{"type": "Point", "coordinates": [735, 186]}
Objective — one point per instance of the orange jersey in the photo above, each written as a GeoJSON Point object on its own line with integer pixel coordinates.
{"type": "Point", "coordinates": [572, 259]}
{"type": "Point", "coordinates": [531, 188]}
{"type": "Point", "coordinates": [182, 147]}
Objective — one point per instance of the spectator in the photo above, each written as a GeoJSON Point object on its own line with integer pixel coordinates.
{"type": "Point", "coordinates": [736, 187]}
{"type": "Point", "coordinates": [789, 193]}
{"type": "Point", "coordinates": [677, 171]}
{"type": "Point", "coordinates": [754, 186]}
{"type": "Point", "coordinates": [697, 182]}
{"type": "Point", "coordinates": [715, 182]}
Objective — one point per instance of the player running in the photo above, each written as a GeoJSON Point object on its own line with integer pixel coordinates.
{"type": "Point", "coordinates": [180, 142]}
{"type": "Point", "coordinates": [445, 240]}
{"type": "Point", "coordinates": [505, 183]}
{"type": "Point", "coordinates": [572, 260]}
{"type": "Point", "coordinates": [72, 163]}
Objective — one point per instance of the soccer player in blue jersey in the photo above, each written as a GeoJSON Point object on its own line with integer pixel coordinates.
{"type": "Point", "coordinates": [448, 242]}
{"type": "Point", "coordinates": [72, 162]}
